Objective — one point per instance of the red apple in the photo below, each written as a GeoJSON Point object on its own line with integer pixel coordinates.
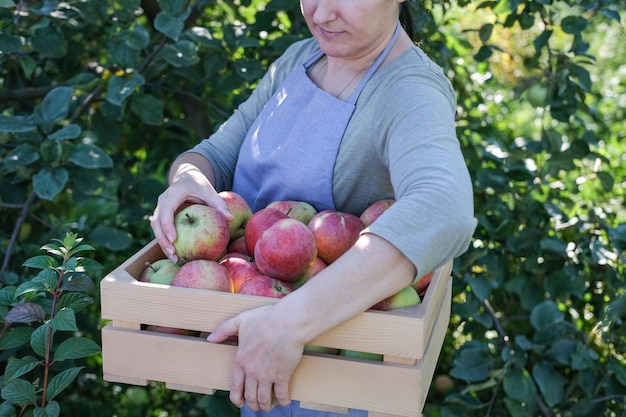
{"type": "Point", "coordinates": [159, 272]}
{"type": "Point", "coordinates": [373, 211]}
{"type": "Point", "coordinates": [240, 269]}
{"type": "Point", "coordinates": [203, 274]}
{"type": "Point", "coordinates": [238, 245]}
{"type": "Point", "coordinates": [285, 250]}
{"type": "Point", "coordinates": [421, 284]}
{"type": "Point", "coordinates": [335, 232]}
{"type": "Point", "coordinates": [239, 208]}
{"type": "Point", "coordinates": [265, 286]}
{"type": "Point", "coordinates": [201, 233]}
{"type": "Point", "coordinates": [311, 271]}
{"type": "Point", "coordinates": [406, 297]}
{"type": "Point", "coordinates": [259, 223]}
{"type": "Point", "coordinates": [299, 210]}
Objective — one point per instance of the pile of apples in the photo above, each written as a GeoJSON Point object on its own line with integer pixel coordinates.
{"type": "Point", "coordinates": [270, 252]}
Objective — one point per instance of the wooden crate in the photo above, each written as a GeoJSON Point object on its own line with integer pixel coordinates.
{"type": "Point", "coordinates": [410, 340]}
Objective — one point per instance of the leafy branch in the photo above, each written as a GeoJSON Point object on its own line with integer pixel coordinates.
{"type": "Point", "coordinates": [34, 315]}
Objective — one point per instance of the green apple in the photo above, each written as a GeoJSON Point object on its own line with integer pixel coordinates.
{"type": "Point", "coordinates": [537, 95]}
{"type": "Point", "coordinates": [299, 210]}
{"type": "Point", "coordinates": [406, 297]}
{"type": "Point", "coordinates": [159, 272]}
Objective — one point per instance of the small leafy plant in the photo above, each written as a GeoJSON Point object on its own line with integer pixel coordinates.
{"type": "Point", "coordinates": [39, 338]}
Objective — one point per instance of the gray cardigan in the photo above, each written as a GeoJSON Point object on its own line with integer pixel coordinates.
{"type": "Point", "coordinates": [401, 143]}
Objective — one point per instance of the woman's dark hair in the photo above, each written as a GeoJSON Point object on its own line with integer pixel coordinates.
{"type": "Point", "coordinates": [406, 19]}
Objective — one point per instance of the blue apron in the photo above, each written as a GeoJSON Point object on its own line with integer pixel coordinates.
{"type": "Point", "coordinates": [290, 150]}
{"type": "Point", "coordinates": [289, 154]}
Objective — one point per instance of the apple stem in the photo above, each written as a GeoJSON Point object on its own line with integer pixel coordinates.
{"type": "Point", "coordinates": [191, 220]}
{"type": "Point", "coordinates": [149, 265]}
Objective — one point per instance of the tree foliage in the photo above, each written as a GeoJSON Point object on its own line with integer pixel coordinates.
{"type": "Point", "coordinates": [97, 98]}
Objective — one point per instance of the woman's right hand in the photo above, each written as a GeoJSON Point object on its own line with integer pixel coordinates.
{"type": "Point", "coordinates": [188, 184]}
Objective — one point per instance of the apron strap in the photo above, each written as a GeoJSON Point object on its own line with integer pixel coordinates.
{"type": "Point", "coordinates": [318, 53]}
{"type": "Point", "coordinates": [374, 67]}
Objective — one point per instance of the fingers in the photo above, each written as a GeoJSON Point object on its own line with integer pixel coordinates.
{"type": "Point", "coordinates": [225, 330]}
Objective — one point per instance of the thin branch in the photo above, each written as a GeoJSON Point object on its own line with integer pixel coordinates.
{"type": "Point", "coordinates": [16, 230]}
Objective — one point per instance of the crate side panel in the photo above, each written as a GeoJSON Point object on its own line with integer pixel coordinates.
{"type": "Point", "coordinates": [201, 366]}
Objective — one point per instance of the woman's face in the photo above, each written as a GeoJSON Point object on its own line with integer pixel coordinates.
{"type": "Point", "coordinates": [350, 28]}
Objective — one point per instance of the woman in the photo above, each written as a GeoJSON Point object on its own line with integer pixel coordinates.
{"type": "Point", "coordinates": [355, 114]}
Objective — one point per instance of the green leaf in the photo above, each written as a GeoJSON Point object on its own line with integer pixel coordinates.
{"type": "Point", "coordinates": [49, 42]}
{"type": "Point", "coordinates": [39, 339]}
{"type": "Point", "coordinates": [80, 283]}
{"type": "Point", "coordinates": [22, 155]}
{"type": "Point", "coordinates": [19, 366]}
{"type": "Point", "coordinates": [41, 262]}
{"type": "Point", "coordinates": [171, 25]}
{"type": "Point", "coordinates": [472, 364]}
{"type": "Point", "coordinates": [90, 157]}
{"type": "Point", "coordinates": [561, 351]}
{"type": "Point", "coordinates": [121, 87]}
{"type": "Point", "coordinates": [71, 131]}
{"type": "Point", "coordinates": [19, 392]}
{"type": "Point", "coordinates": [138, 38]}
{"type": "Point", "coordinates": [124, 55]}
{"type": "Point", "coordinates": [584, 357]}
{"type": "Point", "coordinates": [545, 315]}
{"type": "Point", "coordinates": [15, 337]}
{"type": "Point", "coordinates": [50, 151]}
{"type": "Point", "coordinates": [148, 108]}
{"type": "Point", "coordinates": [172, 6]}
{"type": "Point", "coordinates": [52, 409]}
{"type": "Point", "coordinates": [7, 3]}
{"type": "Point", "coordinates": [111, 238]}
{"type": "Point", "coordinates": [75, 300]}
{"type": "Point", "coordinates": [181, 54]}
{"type": "Point", "coordinates": [54, 107]}
{"type": "Point", "coordinates": [49, 183]}
{"type": "Point", "coordinates": [76, 348]}
{"type": "Point", "coordinates": [519, 386]}
{"type": "Point", "coordinates": [26, 313]}
{"type": "Point", "coordinates": [550, 383]}
{"type": "Point", "coordinates": [61, 381]}
{"type": "Point", "coordinates": [574, 24]}
{"type": "Point", "coordinates": [607, 180]}
{"type": "Point", "coordinates": [15, 124]}
{"type": "Point", "coordinates": [485, 32]}
{"type": "Point", "coordinates": [88, 265]}
{"type": "Point", "coordinates": [31, 287]}
{"type": "Point", "coordinates": [64, 320]}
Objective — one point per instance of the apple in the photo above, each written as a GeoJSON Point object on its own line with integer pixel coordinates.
{"type": "Point", "coordinates": [238, 245]}
{"type": "Point", "coordinates": [374, 210]}
{"type": "Point", "coordinates": [335, 232]}
{"type": "Point", "coordinates": [265, 286]}
{"type": "Point", "coordinates": [537, 95]}
{"type": "Point", "coordinates": [203, 274]}
{"type": "Point", "coordinates": [361, 355]}
{"type": "Point", "coordinates": [240, 268]}
{"type": "Point", "coordinates": [422, 283]}
{"type": "Point", "coordinates": [404, 298]}
{"type": "Point", "coordinates": [259, 222]}
{"type": "Point", "coordinates": [444, 384]}
{"type": "Point", "coordinates": [239, 208]}
{"type": "Point", "coordinates": [299, 210]}
{"type": "Point", "coordinates": [201, 233]}
{"type": "Point", "coordinates": [310, 272]}
{"type": "Point", "coordinates": [159, 272]}
{"type": "Point", "coordinates": [285, 250]}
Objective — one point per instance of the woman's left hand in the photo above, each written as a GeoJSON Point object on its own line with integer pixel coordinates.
{"type": "Point", "coordinates": [265, 360]}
